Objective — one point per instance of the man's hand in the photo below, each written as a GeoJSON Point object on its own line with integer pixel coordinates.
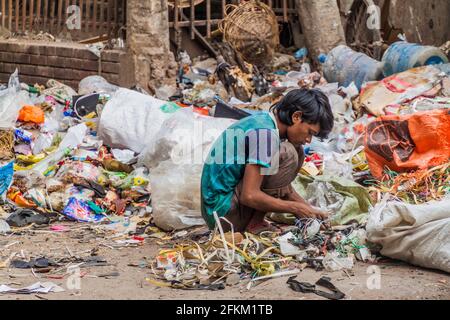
{"type": "Point", "coordinates": [304, 210]}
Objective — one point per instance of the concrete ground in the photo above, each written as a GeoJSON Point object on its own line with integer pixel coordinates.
{"type": "Point", "coordinates": [124, 276]}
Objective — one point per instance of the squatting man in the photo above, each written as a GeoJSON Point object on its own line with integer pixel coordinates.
{"type": "Point", "coordinates": [251, 166]}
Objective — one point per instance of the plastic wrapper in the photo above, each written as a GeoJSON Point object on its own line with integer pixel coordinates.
{"type": "Point", "coordinates": [175, 157]}
{"type": "Point", "coordinates": [43, 142]}
{"type": "Point", "coordinates": [333, 262]}
{"type": "Point", "coordinates": [80, 211]}
{"type": "Point", "coordinates": [96, 84]}
{"type": "Point", "coordinates": [59, 91]}
{"type": "Point", "coordinates": [78, 169]}
{"type": "Point", "coordinates": [336, 165]}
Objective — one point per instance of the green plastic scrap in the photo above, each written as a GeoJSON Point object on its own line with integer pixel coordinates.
{"type": "Point", "coordinates": [170, 107]}
{"type": "Point", "coordinates": [95, 208]}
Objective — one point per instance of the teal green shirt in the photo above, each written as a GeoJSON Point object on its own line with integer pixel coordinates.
{"type": "Point", "coordinates": [252, 140]}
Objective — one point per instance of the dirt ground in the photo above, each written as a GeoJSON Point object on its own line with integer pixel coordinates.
{"type": "Point", "coordinates": [124, 276]}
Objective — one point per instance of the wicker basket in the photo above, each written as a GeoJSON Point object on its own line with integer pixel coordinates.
{"type": "Point", "coordinates": [184, 3]}
{"type": "Point", "coordinates": [251, 28]}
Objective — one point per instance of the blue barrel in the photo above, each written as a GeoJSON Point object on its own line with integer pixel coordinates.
{"type": "Point", "coordinates": [344, 66]}
{"type": "Point", "coordinates": [402, 56]}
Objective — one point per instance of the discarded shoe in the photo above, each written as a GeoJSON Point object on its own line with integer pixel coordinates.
{"type": "Point", "coordinates": [24, 217]}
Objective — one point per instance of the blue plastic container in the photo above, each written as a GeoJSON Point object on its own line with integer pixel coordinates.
{"type": "Point", "coordinates": [344, 66]}
{"type": "Point", "coordinates": [402, 56]}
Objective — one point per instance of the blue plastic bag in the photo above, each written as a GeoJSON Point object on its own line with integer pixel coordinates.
{"type": "Point", "coordinates": [6, 177]}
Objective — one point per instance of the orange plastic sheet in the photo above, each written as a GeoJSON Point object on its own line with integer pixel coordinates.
{"type": "Point", "coordinates": [408, 142]}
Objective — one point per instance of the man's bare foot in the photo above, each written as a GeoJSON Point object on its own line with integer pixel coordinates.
{"type": "Point", "coordinates": [262, 226]}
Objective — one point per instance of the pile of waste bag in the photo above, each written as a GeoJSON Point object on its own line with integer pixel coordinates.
{"type": "Point", "coordinates": [105, 155]}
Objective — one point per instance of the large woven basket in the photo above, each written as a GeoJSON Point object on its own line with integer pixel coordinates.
{"type": "Point", "coordinates": [184, 3]}
{"type": "Point", "coordinates": [251, 28]}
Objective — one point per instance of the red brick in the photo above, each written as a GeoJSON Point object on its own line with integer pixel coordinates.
{"type": "Point", "coordinates": [33, 49]}
{"type": "Point", "coordinates": [27, 70]}
{"type": "Point", "coordinates": [110, 67]}
{"type": "Point", "coordinates": [111, 55]}
{"type": "Point", "coordinates": [8, 67]}
{"type": "Point", "coordinates": [65, 52]}
{"type": "Point", "coordinates": [6, 57]}
{"type": "Point", "coordinates": [33, 80]}
{"type": "Point", "coordinates": [4, 77]}
{"type": "Point", "coordinates": [112, 78]}
{"type": "Point", "coordinates": [80, 75]}
{"type": "Point", "coordinates": [84, 54]}
{"type": "Point", "coordinates": [55, 61]}
{"type": "Point", "coordinates": [51, 51]}
{"type": "Point", "coordinates": [3, 45]}
{"type": "Point", "coordinates": [22, 58]}
{"type": "Point", "coordinates": [61, 73]}
{"type": "Point", "coordinates": [39, 60]}
{"type": "Point", "coordinates": [87, 65]}
{"type": "Point", "coordinates": [47, 72]}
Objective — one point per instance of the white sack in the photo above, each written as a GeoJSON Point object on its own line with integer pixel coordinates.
{"type": "Point", "coordinates": [175, 157]}
{"type": "Point", "coordinates": [130, 119]}
{"type": "Point", "coordinates": [418, 234]}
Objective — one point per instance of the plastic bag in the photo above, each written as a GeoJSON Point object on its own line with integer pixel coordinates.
{"type": "Point", "coordinates": [336, 165]}
{"type": "Point", "coordinates": [11, 101]}
{"type": "Point", "coordinates": [96, 84]}
{"type": "Point", "coordinates": [418, 234]}
{"type": "Point", "coordinates": [333, 262]}
{"type": "Point", "coordinates": [408, 142]}
{"type": "Point", "coordinates": [31, 114]}
{"type": "Point", "coordinates": [131, 119]}
{"type": "Point", "coordinates": [175, 158]}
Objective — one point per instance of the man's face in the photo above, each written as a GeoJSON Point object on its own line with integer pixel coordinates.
{"type": "Point", "coordinates": [301, 132]}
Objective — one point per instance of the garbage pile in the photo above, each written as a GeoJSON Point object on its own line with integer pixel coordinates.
{"type": "Point", "coordinates": [389, 146]}
{"type": "Point", "coordinates": [54, 166]}
{"type": "Point", "coordinates": [129, 163]}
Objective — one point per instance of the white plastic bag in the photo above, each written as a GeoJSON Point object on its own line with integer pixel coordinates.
{"type": "Point", "coordinates": [96, 84]}
{"type": "Point", "coordinates": [11, 101]}
{"type": "Point", "coordinates": [130, 119]}
{"type": "Point", "coordinates": [418, 234]}
{"type": "Point", "coordinates": [175, 157]}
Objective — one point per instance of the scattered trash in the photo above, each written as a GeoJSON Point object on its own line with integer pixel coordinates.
{"type": "Point", "coordinates": [121, 168]}
{"type": "Point", "coordinates": [38, 287]}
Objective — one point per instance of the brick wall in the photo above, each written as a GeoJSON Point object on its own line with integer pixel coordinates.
{"type": "Point", "coordinates": [66, 62]}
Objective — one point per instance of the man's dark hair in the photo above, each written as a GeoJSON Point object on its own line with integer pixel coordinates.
{"type": "Point", "coordinates": [313, 104]}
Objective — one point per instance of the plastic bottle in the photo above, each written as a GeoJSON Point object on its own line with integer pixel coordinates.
{"type": "Point", "coordinates": [126, 219]}
{"type": "Point", "coordinates": [402, 56]}
{"type": "Point", "coordinates": [343, 65]}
